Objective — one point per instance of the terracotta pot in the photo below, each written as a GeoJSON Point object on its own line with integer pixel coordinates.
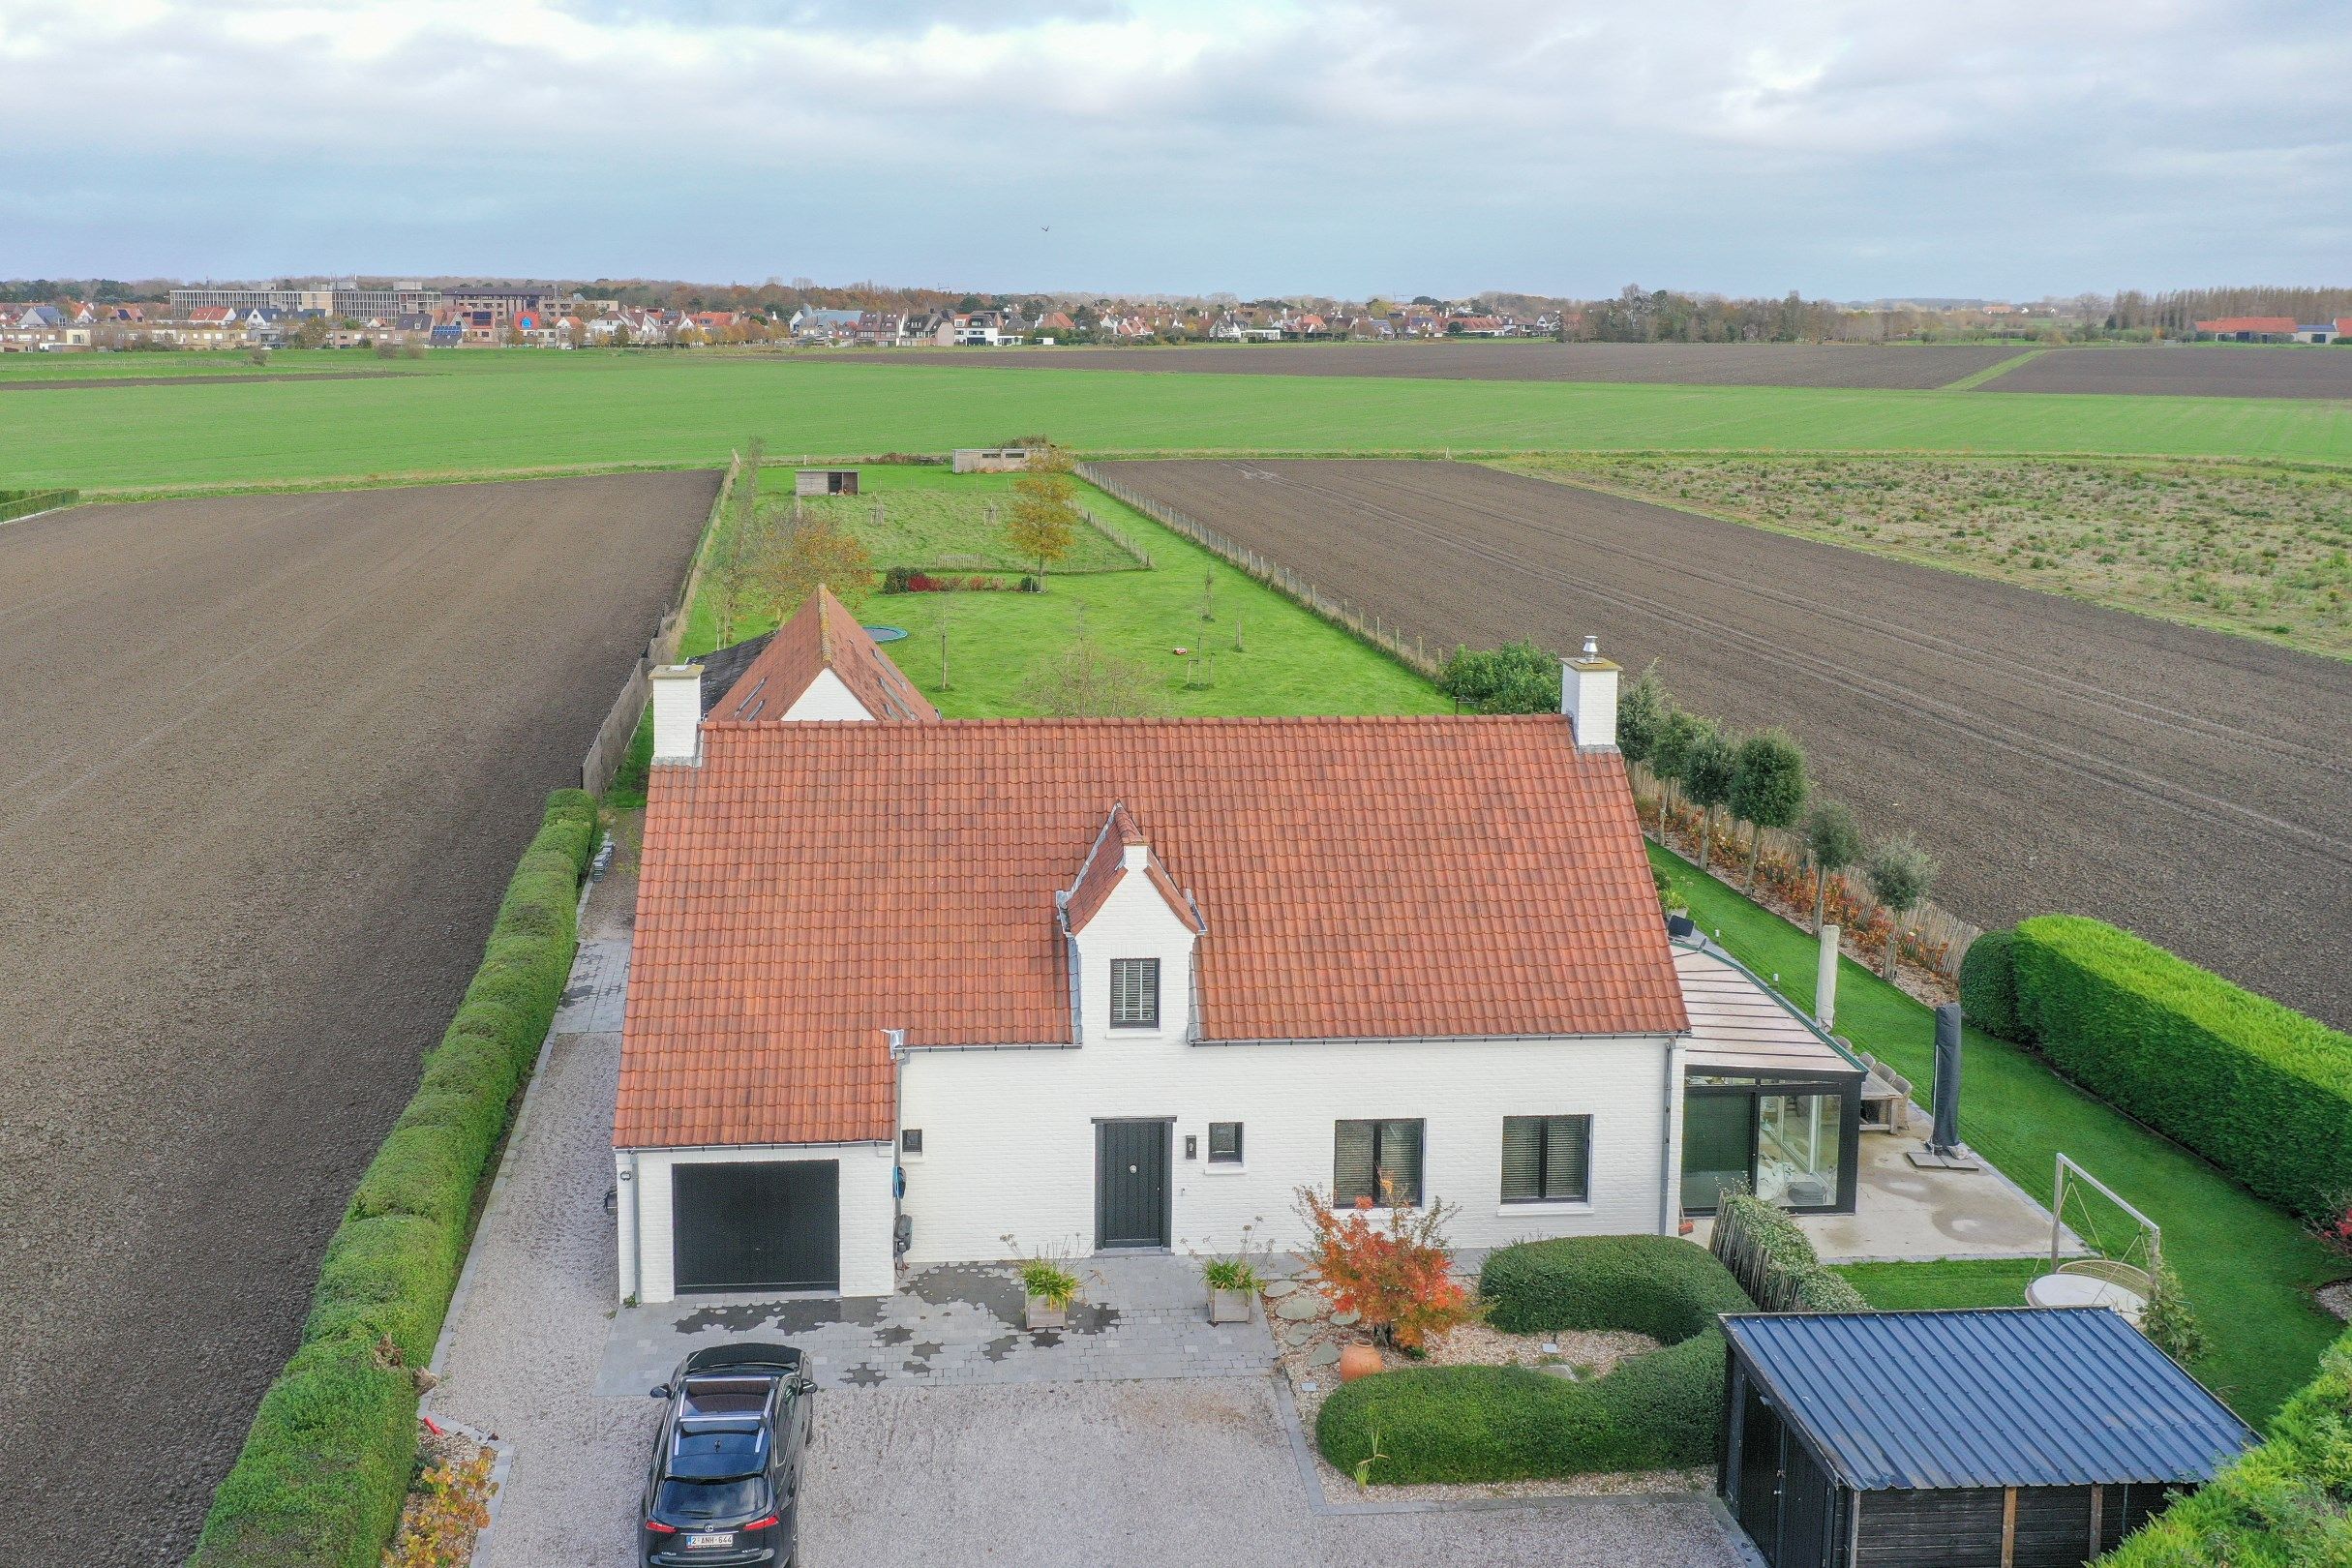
{"type": "Point", "coordinates": [1358, 1361]}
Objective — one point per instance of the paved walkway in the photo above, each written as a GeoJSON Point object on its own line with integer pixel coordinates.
{"type": "Point", "coordinates": [1142, 1316]}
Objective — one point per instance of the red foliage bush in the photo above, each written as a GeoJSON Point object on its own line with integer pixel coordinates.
{"type": "Point", "coordinates": [1398, 1277]}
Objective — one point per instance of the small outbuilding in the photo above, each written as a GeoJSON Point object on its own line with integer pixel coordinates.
{"type": "Point", "coordinates": [824, 482]}
{"type": "Point", "coordinates": [1988, 1437]}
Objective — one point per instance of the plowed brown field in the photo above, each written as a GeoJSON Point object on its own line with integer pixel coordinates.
{"type": "Point", "coordinates": [2193, 786]}
{"type": "Point", "coordinates": [268, 764]}
{"type": "Point", "coordinates": [1911, 365]}
{"type": "Point", "coordinates": [2210, 371]}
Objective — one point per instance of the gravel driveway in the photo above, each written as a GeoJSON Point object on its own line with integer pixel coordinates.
{"type": "Point", "coordinates": [1097, 1474]}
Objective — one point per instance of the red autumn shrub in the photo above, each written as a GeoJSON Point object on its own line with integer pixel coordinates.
{"type": "Point", "coordinates": [1396, 1275]}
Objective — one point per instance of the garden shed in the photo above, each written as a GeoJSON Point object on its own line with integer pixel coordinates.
{"type": "Point", "coordinates": [824, 482]}
{"type": "Point", "coordinates": [1986, 1438]}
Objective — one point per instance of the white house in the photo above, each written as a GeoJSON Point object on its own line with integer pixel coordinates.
{"type": "Point", "coordinates": [917, 990]}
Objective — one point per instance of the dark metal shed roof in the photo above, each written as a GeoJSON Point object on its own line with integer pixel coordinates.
{"type": "Point", "coordinates": [2004, 1397]}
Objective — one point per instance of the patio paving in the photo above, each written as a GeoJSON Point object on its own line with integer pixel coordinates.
{"type": "Point", "coordinates": [1905, 1215]}
{"type": "Point", "coordinates": [1140, 1316]}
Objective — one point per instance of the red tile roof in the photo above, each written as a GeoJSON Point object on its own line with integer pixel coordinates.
{"type": "Point", "coordinates": [821, 635]}
{"type": "Point", "coordinates": [2248, 323]}
{"type": "Point", "coordinates": [808, 886]}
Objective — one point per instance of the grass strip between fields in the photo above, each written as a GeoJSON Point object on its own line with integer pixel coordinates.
{"type": "Point", "coordinates": [2248, 1268]}
{"type": "Point", "coordinates": [325, 1467]}
{"type": "Point", "coordinates": [1991, 373]}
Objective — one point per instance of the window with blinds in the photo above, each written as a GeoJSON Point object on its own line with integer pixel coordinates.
{"type": "Point", "coordinates": [1225, 1143]}
{"type": "Point", "coordinates": [1135, 987]}
{"type": "Point", "coordinates": [1547, 1159]}
{"type": "Point", "coordinates": [1381, 1160]}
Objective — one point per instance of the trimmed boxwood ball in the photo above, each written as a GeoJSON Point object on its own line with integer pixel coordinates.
{"type": "Point", "coordinates": [1473, 1423]}
{"type": "Point", "coordinates": [1988, 985]}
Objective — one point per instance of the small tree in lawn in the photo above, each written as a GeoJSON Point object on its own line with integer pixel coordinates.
{"type": "Point", "coordinates": [1042, 523]}
{"type": "Point", "coordinates": [1086, 681]}
{"type": "Point", "coordinates": [1767, 787]}
{"type": "Point", "coordinates": [1900, 873]}
{"type": "Point", "coordinates": [1395, 1274]}
{"type": "Point", "coordinates": [1709, 771]}
{"type": "Point", "coordinates": [790, 565]}
{"type": "Point", "coordinates": [1832, 843]}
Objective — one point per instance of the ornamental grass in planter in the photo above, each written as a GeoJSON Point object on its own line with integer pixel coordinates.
{"type": "Point", "coordinates": [1048, 1288]}
{"type": "Point", "coordinates": [1233, 1285]}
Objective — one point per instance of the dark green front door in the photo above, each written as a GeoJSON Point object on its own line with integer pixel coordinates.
{"type": "Point", "coordinates": [1131, 1184]}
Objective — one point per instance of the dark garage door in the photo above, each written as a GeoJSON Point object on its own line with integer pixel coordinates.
{"type": "Point", "coordinates": [771, 1225]}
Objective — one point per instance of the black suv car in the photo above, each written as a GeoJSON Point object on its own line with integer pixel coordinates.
{"type": "Point", "coordinates": [726, 1460]}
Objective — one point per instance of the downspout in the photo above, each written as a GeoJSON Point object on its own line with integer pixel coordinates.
{"type": "Point", "coordinates": [632, 1285]}
{"type": "Point", "coordinates": [1668, 1201]}
{"type": "Point", "coordinates": [896, 1040]}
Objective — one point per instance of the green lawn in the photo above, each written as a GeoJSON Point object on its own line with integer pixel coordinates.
{"type": "Point", "coordinates": [937, 520]}
{"type": "Point", "coordinates": [1977, 1282]}
{"type": "Point", "coordinates": [2248, 1269]}
{"type": "Point", "coordinates": [1288, 661]}
{"type": "Point", "coordinates": [517, 411]}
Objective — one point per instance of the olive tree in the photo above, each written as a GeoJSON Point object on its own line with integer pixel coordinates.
{"type": "Point", "coordinates": [1900, 873]}
{"type": "Point", "coordinates": [1767, 787]}
{"type": "Point", "coordinates": [1833, 841]}
{"type": "Point", "coordinates": [1708, 773]}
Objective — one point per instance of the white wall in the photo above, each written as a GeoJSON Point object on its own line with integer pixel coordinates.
{"type": "Point", "coordinates": [1008, 1134]}
{"type": "Point", "coordinates": [826, 698]}
{"type": "Point", "coordinates": [867, 1210]}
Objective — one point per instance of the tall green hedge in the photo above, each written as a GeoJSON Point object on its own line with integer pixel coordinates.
{"type": "Point", "coordinates": [1988, 984]}
{"type": "Point", "coordinates": [2258, 1089]}
{"type": "Point", "coordinates": [1475, 1424]}
{"type": "Point", "coordinates": [2286, 1504]}
{"type": "Point", "coordinates": [324, 1469]}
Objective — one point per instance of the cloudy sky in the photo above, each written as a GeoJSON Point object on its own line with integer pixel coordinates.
{"type": "Point", "coordinates": [1850, 148]}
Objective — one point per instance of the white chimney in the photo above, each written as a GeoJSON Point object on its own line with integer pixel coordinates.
{"type": "Point", "coordinates": [1588, 696]}
{"type": "Point", "coordinates": [677, 714]}
{"type": "Point", "coordinates": [1824, 981]}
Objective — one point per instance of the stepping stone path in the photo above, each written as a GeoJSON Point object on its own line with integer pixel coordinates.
{"type": "Point", "coordinates": [1323, 1355]}
{"type": "Point", "coordinates": [1345, 1319]}
{"type": "Point", "coordinates": [1298, 1334]}
{"type": "Point", "coordinates": [1298, 1307]}
{"type": "Point", "coordinates": [1278, 1289]}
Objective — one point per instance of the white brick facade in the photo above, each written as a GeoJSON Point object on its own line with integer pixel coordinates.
{"type": "Point", "coordinates": [1008, 1160]}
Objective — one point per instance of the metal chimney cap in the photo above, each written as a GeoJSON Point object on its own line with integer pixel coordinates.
{"type": "Point", "coordinates": [1592, 646]}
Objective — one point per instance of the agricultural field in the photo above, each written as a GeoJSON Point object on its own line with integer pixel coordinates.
{"type": "Point", "coordinates": [933, 520]}
{"type": "Point", "coordinates": [2260, 551]}
{"type": "Point", "coordinates": [271, 761]}
{"type": "Point", "coordinates": [2054, 755]}
{"type": "Point", "coordinates": [1256, 653]}
{"type": "Point", "coordinates": [2214, 369]}
{"type": "Point", "coordinates": [538, 412]}
{"type": "Point", "coordinates": [1918, 367]}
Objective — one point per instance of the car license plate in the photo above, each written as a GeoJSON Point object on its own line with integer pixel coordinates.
{"type": "Point", "coordinates": [724, 1538]}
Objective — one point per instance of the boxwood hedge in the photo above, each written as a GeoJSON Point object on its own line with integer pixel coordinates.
{"type": "Point", "coordinates": [2258, 1089]}
{"type": "Point", "coordinates": [2284, 1504]}
{"type": "Point", "coordinates": [1661, 1410]}
{"type": "Point", "coordinates": [326, 1465]}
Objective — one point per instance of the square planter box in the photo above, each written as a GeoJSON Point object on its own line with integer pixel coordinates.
{"type": "Point", "coordinates": [1230, 1306]}
{"type": "Point", "coordinates": [1041, 1313]}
